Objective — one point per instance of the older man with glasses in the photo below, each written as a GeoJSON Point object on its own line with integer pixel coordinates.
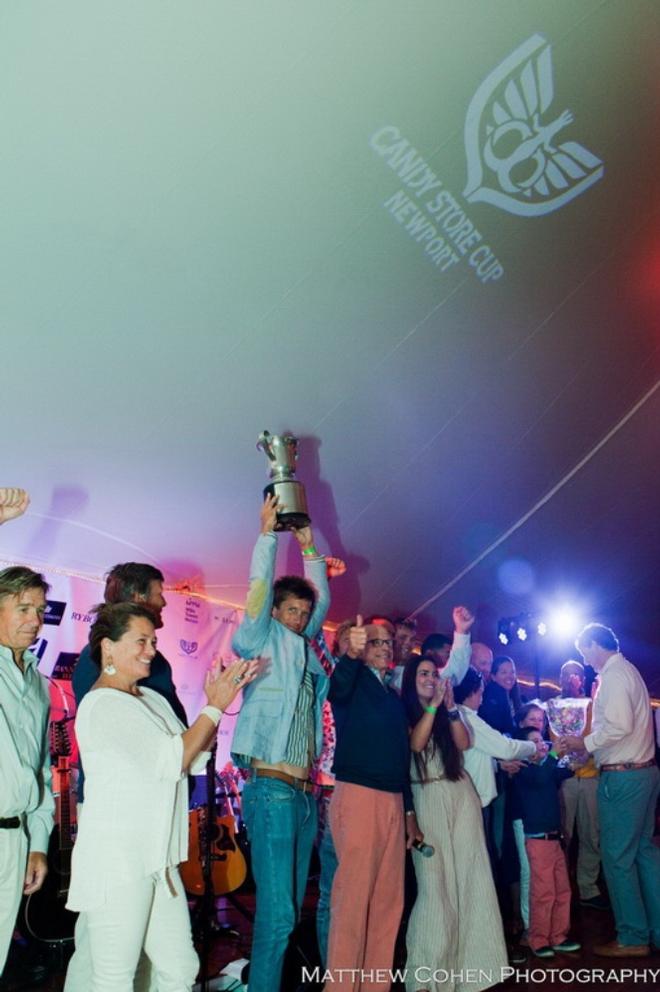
{"type": "Point", "coordinates": [372, 817]}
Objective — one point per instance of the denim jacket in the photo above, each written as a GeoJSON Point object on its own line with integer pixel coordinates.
{"type": "Point", "coordinates": [264, 721]}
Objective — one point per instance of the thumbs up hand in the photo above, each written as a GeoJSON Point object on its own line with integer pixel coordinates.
{"type": "Point", "coordinates": [357, 638]}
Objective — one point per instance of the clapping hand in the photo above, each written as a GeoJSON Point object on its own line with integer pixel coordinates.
{"type": "Point", "coordinates": [223, 685]}
{"type": "Point", "coordinates": [440, 694]}
{"type": "Point", "coordinates": [13, 503]}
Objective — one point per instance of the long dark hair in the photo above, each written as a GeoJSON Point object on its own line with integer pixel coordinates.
{"type": "Point", "coordinates": [441, 737]}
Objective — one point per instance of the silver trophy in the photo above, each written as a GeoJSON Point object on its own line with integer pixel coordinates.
{"type": "Point", "coordinates": [568, 716]}
{"type": "Point", "coordinates": [282, 453]}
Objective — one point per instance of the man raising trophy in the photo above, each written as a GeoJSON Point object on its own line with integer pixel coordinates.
{"type": "Point", "coordinates": [279, 730]}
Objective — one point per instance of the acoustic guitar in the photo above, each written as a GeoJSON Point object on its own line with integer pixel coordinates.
{"type": "Point", "coordinates": [217, 835]}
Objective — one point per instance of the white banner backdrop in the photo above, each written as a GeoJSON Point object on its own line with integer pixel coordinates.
{"type": "Point", "coordinates": [195, 632]}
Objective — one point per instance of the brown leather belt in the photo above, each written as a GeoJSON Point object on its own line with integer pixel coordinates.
{"type": "Point", "coordinates": [628, 766]}
{"type": "Point", "coordinates": [301, 784]}
{"type": "Point", "coordinates": [10, 822]}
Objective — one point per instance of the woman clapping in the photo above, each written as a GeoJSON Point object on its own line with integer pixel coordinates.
{"type": "Point", "coordinates": [133, 831]}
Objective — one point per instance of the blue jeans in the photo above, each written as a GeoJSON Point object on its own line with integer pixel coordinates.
{"type": "Point", "coordinates": [281, 825]}
{"type": "Point", "coordinates": [631, 861]}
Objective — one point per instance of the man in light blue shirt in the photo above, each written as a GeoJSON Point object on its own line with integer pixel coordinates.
{"type": "Point", "coordinates": [26, 801]}
{"type": "Point", "coordinates": [278, 734]}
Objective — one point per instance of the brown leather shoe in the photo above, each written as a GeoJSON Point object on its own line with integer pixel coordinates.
{"type": "Point", "coordinates": [614, 949]}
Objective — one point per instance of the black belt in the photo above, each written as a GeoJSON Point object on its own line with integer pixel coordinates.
{"type": "Point", "coordinates": [10, 822]}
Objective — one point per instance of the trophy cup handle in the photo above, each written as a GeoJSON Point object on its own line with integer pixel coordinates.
{"type": "Point", "coordinates": [264, 444]}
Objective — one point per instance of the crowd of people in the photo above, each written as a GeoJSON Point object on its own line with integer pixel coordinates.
{"type": "Point", "coordinates": [369, 748]}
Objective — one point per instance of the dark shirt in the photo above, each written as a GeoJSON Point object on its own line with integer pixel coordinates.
{"type": "Point", "coordinates": [373, 744]}
{"type": "Point", "coordinates": [159, 679]}
{"type": "Point", "coordinates": [495, 709]}
{"type": "Point", "coordinates": [537, 790]}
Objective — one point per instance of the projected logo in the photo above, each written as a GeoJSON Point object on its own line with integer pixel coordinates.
{"type": "Point", "coordinates": [516, 159]}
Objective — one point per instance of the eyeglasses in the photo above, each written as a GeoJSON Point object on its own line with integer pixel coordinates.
{"type": "Point", "coordinates": [381, 642]}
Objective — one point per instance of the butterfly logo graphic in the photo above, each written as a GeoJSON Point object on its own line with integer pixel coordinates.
{"type": "Point", "coordinates": [515, 158]}
{"type": "Point", "coordinates": [188, 646]}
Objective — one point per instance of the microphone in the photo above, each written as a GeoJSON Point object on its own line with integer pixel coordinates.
{"type": "Point", "coordinates": [426, 850]}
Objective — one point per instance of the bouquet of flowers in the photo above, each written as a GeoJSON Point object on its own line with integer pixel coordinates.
{"type": "Point", "coordinates": [569, 716]}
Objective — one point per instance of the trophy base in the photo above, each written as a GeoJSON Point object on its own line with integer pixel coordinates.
{"type": "Point", "coordinates": [291, 495]}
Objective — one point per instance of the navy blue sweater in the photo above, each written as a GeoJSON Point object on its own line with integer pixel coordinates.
{"type": "Point", "coordinates": [537, 790]}
{"type": "Point", "coordinates": [373, 745]}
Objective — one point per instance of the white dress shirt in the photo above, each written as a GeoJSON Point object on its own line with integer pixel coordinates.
{"type": "Point", "coordinates": [25, 774]}
{"type": "Point", "coordinates": [456, 667]}
{"type": "Point", "coordinates": [134, 821]}
{"type": "Point", "coordinates": [622, 722]}
{"type": "Point", "coordinates": [487, 744]}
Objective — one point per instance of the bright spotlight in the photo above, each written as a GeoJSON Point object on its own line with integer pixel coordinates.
{"type": "Point", "coordinates": [564, 622]}
{"type": "Point", "coordinates": [503, 638]}
{"type": "Point", "coordinates": [521, 634]}
{"type": "Point", "coordinates": [541, 629]}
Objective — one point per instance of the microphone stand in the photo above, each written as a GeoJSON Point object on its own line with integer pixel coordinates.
{"type": "Point", "coordinates": [208, 898]}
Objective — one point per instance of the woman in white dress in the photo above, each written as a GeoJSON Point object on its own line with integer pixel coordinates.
{"type": "Point", "coordinates": [133, 831]}
{"type": "Point", "coordinates": [455, 926]}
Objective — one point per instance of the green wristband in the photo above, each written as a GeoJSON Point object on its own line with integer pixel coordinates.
{"type": "Point", "coordinates": [310, 551]}
{"type": "Point", "coordinates": [431, 709]}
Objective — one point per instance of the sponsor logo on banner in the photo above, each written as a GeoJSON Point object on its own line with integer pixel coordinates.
{"type": "Point", "coordinates": [81, 617]}
{"type": "Point", "coordinates": [63, 668]}
{"type": "Point", "coordinates": [188, 647]}
{"type": "Point", "coordinates": [54, 612]}
{"type": "Point", "coordinates": [192, 607]}
{"type": "Point", "coordinates": [39, 647]}
{"type": "Point", "coordinates": [515, 158]}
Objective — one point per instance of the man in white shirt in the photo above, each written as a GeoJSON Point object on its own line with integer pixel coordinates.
{"type": "Point", "coordinates": [26, 802]}
{"type": "Point", "coordinates": [622, 744]}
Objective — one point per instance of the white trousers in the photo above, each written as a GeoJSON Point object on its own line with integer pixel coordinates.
{"type": "Point", "coordinates": [109, 940]}
{"type": "Point", "coordinates": [13, 862]}
{"type": "Point", "coordinates": [79, 972]}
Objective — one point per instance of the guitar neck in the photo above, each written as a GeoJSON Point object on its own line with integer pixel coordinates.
{"type": "Point", "coordinates": [64, 776]}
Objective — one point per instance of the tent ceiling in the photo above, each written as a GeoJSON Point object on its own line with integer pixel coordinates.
{"type": "Point", "coordinates": [209, 229]}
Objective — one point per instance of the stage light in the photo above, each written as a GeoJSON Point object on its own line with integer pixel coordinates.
{"type": "Point", "coordinates": [521, 633]}
{"type": "Point", "coordinates": [504, 630]}
{"type": "Point", "coordinates": [541, 629]}
{"type": "Point", "coordinates": [564, 622]}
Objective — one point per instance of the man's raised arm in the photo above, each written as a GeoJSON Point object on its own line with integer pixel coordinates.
{"type": "Point", "coordinates": [253, 630]}
{"type": "Point", "coordinates": [459, 658]}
